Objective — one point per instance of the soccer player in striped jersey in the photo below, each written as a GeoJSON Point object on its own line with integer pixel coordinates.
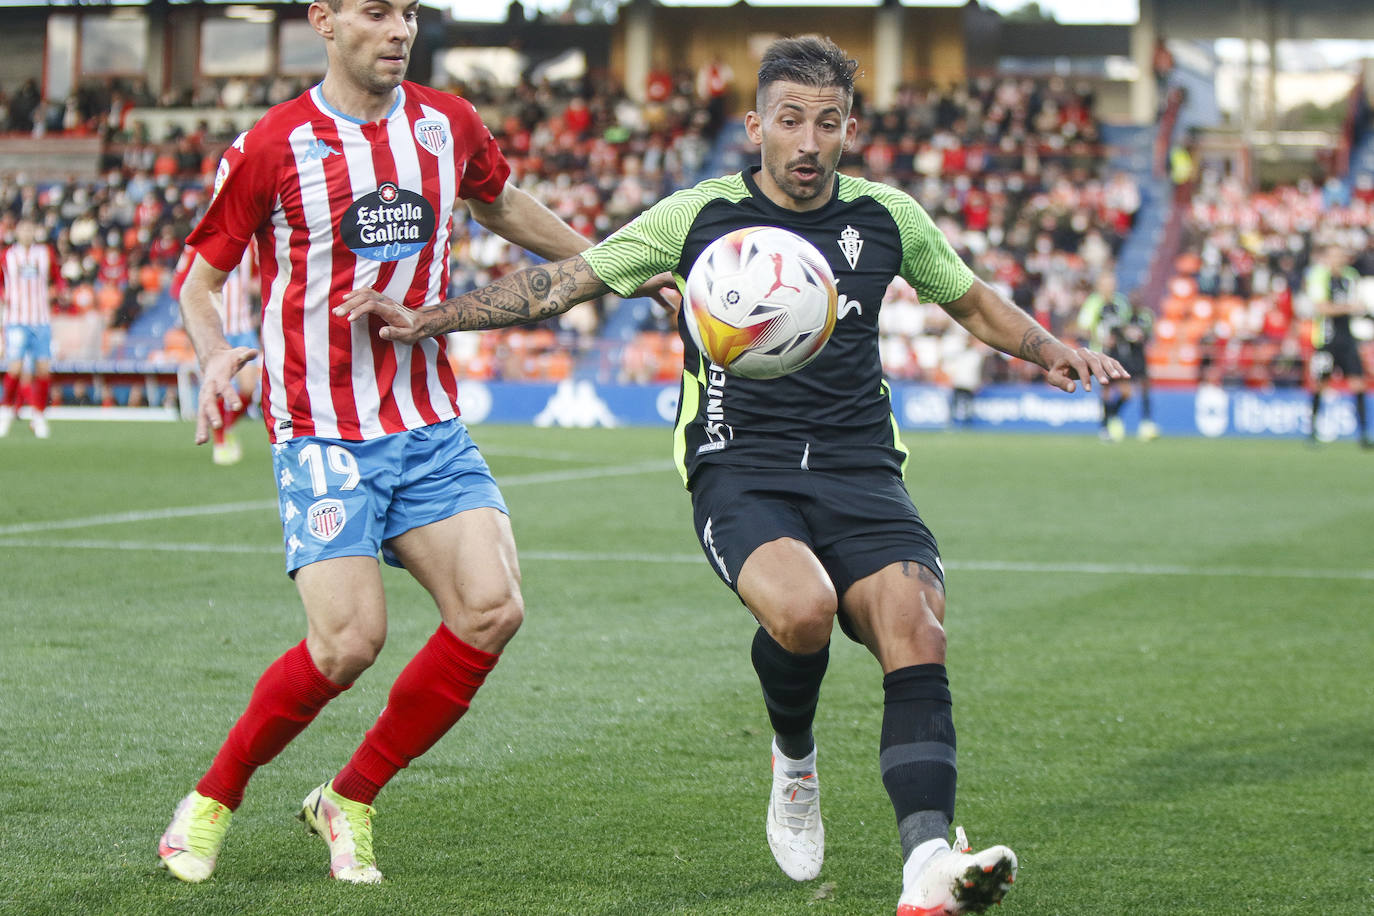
{"type": "Point", "coordinates": [354, 184]}
{"type": "Point", "coordinates": [796, 482]}
{"type": "Point", "coordinates": [238, 313]}
{"type": "Point", "coordinates": [30, 275]}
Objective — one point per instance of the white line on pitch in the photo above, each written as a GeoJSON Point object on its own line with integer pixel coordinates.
{"type": "Point", "coordinates": [151, 515]}
{"type": "Point", "coordinates": [576, 556]}
{"type": "Point", "coordinates": [137, 515]}
{"type": "Point", "coordinates": [623, 470]}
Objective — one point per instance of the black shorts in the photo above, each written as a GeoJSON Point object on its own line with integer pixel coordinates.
{"type": "Point", "coordinates": [1343, 354]}
{"type": "Point", "coordinates": [1135, 362]}
{"type": "Point", "coordinates": [855, 521]}
{"type": "Point", "coordinates": [1131, 357]}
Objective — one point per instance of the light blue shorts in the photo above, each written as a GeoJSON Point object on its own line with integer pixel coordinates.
{"type": "Point", "coordinates": [28, 341]}
{"type": "Point", "coordinates": [246, 339]}
{"type": "Point", "coordinates": [345, 498]}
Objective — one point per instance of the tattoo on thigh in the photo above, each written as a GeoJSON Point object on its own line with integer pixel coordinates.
{"type": "Point", "coordinates": [911, 568]}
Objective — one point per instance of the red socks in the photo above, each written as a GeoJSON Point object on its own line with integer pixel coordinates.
{"type": "Point", "coordinates": [430, 695]}
{"type": "Point", "coordinates": [288, 696]}
{"type": "Point", "coordinates": [41, 387]}
{"type": "Point", "coordinates": [39, 390]}
{"type": "Point", "coordinates": [230, 417]}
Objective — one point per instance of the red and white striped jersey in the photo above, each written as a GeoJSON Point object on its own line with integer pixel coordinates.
{"type": "Point", "coordinates": [336, 205]}
{"type": "Point", "coordinates": [236, 305]}
{"type": "Point", "coordinates": [30, 274]}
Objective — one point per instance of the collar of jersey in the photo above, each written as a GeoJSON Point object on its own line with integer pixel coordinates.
{"type": "Point", "coordinates": [766, 203]}
{"type": "Point", "coordinates": [317, 96]}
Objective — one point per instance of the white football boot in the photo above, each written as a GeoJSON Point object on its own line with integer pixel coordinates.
{"type": "Point", "coordinates": [346, 826]}
{"type": "Point", "coordinates": [795, 832]}
{"type": "Point", "coordinates": [939, 881]}
{"type": "Point", "coordinates": [6, 420]}
{"type": "Point", "coordinates": [39, 424]}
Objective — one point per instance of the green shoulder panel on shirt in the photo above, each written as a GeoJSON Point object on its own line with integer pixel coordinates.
{"type": "Point", "coordinates": [652, 242]}
{"type": "Point", "coordinates": [929, 262]}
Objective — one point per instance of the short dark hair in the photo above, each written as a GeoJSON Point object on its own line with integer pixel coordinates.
{"type": "Point", "coordinates": [810, 60]}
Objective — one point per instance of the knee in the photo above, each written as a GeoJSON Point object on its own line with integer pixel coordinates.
{"type": "Point", "coordinates": [910, 634]}
{"type": "Point", "coordinates": [343, 655]}
{"type": "Point", "coordinates": [491, 624]}
{"type": "Point", "coordinates": [804, 625]}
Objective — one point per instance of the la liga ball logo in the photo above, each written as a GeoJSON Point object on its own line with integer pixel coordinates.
{"type": "Point", "coordinates": [388, 224]}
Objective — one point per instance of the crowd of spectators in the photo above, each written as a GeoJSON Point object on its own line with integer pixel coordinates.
{"type": "Point", "coordinates": [116, 240]}
{"type": "Point", "coordinates": [1236, 313]}
{"type": "Point", "coordinates": [1011, 170]}
{"type": "Point", "coordinates": [107, 106]}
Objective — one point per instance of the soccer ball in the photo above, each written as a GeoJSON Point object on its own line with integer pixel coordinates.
{"type": "Point", "coordinates": [760, 302]}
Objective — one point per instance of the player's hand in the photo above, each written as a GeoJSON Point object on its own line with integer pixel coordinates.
{"type": "Point", "coordinates": [669, 300]}
{"type": "Point", "coordinates": [1083, 364]}
{"type": "Point", "coordinates": [662, 288]}
{"type": "Point", "coordinates": [216, 382]}
{"type": "Point", "coordinates": [400, 322]}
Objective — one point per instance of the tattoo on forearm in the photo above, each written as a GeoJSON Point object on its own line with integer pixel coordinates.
{"type": "Point", "coordinates": [524, 297]}
{"type": "Point", "coordinates": [1032, 343]}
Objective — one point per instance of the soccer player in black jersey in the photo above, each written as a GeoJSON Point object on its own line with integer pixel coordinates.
{"type": "Point", "coordinates": [1330, 285]}
{"type": "Point", "coordinates": [1121, 328]}
{"type": "Point", "coordinates": [796, 482]}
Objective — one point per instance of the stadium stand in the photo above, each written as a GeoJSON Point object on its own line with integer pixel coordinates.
{"type": "Point", "coordinates": [1235, 313]}
{"type": "Point", "coordinates": [1026, 182]}
{"type": "Point", "coordinates": [1013, 170]}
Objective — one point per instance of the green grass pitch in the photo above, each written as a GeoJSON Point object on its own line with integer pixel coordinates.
{"type": "Point", "coordinates": [1161, 657]}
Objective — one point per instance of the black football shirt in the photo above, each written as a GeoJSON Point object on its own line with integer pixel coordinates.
{"type": "Point", "coordinates": [835, 412]}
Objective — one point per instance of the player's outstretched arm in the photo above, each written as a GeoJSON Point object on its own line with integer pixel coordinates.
{"type": "Point", "coordinates": [219, 362]}
{"type": "Point", "coordinates": [1000, 324]}
{"type": "Point", "coordinates": [518, 217]}
{"type": "Point", "coordinates": [523, 297]}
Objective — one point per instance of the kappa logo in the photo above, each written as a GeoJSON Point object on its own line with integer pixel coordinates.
{"type": "Point", "coordinates": [432, 134]}
{"type": "Point", "coordinates": [575, 404]}
{"type": "Point", "coordinates": [325, 519]}
{"type": "Point", "coordinates": [851, 245]}
{"type": "Point", "coordinates": [290, 512]}
{"type": "Point", "coordinates": [318, 149]}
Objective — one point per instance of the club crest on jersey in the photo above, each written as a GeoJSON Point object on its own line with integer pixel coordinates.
{"type": "Point", "coordinates": [325, 519]}
{"type": "Point", "coordinates": [851, 245]}
{"type": "Point", "coordinates": [432, 134]}
{"type": "Point", "coordinates": [388, 224]}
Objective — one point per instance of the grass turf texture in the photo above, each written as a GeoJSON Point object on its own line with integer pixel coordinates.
{"type": "Point", "coordinates": [1160, 656]}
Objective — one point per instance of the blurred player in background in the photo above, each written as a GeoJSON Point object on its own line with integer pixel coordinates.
{"type": "Point", "coordinates": [238, 312]}
{"type": "Point", "coordinates": [1330, 286]}
{"type": "Point", "coordinates": [796, 482]}
{"type": "Point", "coordinates": [353, 184]}
{"type": "Point", "coordinates": [1121, 329]}
{"type": "Point", "coordinates": [31, 276]}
